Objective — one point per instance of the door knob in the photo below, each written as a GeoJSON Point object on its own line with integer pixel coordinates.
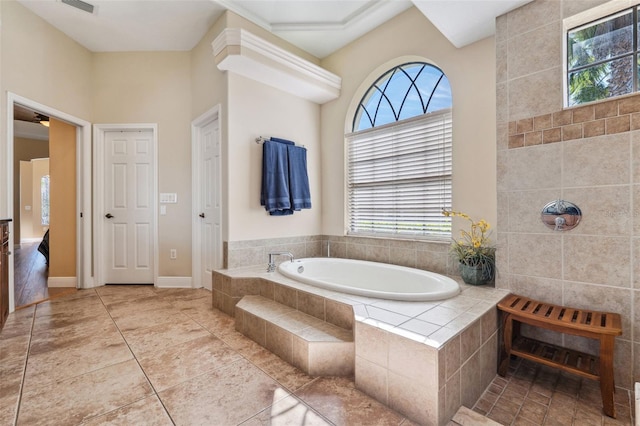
{"type": "Point", "coordinates": [108, 215]}
{"type": "Point", "coordinates": [201, 215]}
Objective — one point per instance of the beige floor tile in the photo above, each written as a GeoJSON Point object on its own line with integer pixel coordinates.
{"type": "Point", "coordinates": [14, 349]}
{"type": "Point", "coordinates": [18, 323]}
{"type": "Point", "coordinates": [287, 411]}
{"type": "Point", "coordinates": [287, 375]}
{"type": "Point", "coordinates": [131, 306]}
{"type": "Point", "coordinates": [158, 336]}
{"type": "Point", "coordinates": [160, 313]}
{"type": "Point", "coordinates": [76, 334]}
{"type": "Point", "coordinates": [214, 321]}
{"type": "Point", "coordinates": [147, 411]}
{"type": "Point", "coordinates": [116, 293]}
{"type": "Point", "coordinates": [176, 364]}
{"type": "Point", "coordinates": [80, 358]}
{"type": "Point", "coordinates": [83, 397]}
{"type": "Point", "coordinates": [227, 396]}
{"type": "Point", "coordinates": [9, 394]}
{"type": "Point", "coordinates": [340, 402]}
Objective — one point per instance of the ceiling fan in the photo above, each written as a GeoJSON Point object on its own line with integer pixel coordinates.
{"type": "Point", "coordinates": [21, 113]}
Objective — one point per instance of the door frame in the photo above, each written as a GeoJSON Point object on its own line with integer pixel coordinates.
{"type": "Point", "coordinates": [99, 131]}
{"type": "Point", "coordinates": [196, 188]}
{"type": "Point", "coordinates": [83, 187]}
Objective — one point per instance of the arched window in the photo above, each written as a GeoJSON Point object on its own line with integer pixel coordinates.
{"type": "Point", "coordinates": [399, 155]}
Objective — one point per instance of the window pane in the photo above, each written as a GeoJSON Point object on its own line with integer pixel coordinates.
{"type": "Point", "coordinates": [601, 81]}
{"type": "Point", "coordinates": [601, 41]}
{"type": "Point", "coordinates": [441, 98]}
{"type": "Point", "coordinates": [397, 89]}
{"type": "Point", "coordinates": [402, 93]}
{"type": "Point", "coordinates": [44, 199]}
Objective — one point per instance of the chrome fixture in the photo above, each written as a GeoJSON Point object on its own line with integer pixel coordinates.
{"type": "Point", "coordinates": [561, 215]}
{"type": "Point", "coordinates": [272, 263]}
{"type": "Point", "coordinates": [328, 248]}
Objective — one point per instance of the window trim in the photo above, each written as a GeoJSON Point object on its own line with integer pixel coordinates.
{"type": "Point", "coordinates": [593, 16]}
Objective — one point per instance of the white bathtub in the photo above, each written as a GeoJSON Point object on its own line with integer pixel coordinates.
{"type": "Point", "coordinates": [371, 279]}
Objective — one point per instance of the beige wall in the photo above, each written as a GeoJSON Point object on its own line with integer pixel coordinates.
{"type": "Point", "coordinates": [62, 192]}
{"type": "Point", "coordinates": [410, 36]}
{"type": "Point", "coordinates": [584, 155]}
{"type": "Point", "coordinates": [23, 150]}
{"type": "Point", "coordinates": [251, 109]}
{"type": "Point", "coordinates": [154, 87]}
{"type": "Point", "coordinates": [259, 110]}
{"type": "Point", "coordinates": [173, 88]}
{"type": "Point", "coordinates": [40, 63]}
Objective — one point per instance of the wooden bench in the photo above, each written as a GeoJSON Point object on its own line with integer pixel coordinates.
{"type": "Point", "coordinates": [604, 326]}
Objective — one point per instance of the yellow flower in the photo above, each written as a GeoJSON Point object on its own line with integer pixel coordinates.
{"type": "Point", "coordinates": [474, 244]}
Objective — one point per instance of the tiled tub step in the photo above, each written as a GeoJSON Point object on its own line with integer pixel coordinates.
{"type": "Point", "coordinates": [314, 346]}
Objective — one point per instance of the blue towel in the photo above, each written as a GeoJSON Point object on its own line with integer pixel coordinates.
{"type": "Point", "coordinates": [275, 178]}
{"type": "Point", "coordinates": [298, 178]}
{"type": "Point", "coordinates": [285, 182]}
{"type": "Point", "coordinates": [284, 141]}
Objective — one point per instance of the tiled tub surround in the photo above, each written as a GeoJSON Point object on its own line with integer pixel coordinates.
{"type": "Point", "coordinates": [423, 359]}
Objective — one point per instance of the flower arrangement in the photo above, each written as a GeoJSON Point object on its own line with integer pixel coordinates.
{"type": "Point", "coordinates": [474, 248]}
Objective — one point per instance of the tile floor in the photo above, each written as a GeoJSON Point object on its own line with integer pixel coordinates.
{"type": "Point", "coordinates": [532, 394]}
{"type": "Point", "coordinates": [138, 355]}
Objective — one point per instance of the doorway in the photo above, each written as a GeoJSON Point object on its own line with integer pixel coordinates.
{"type": "Point", "coordinates": [207, 211]}
{"type": "Point", "coordinates": [80, 204]}
{"type": "Point", "coordinates": [126, 184]}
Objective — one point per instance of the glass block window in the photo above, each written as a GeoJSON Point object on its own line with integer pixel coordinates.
{"type": "Point", "coordinates": [399, 156]}
{"type": "Point", "coordinates": [602, 58]}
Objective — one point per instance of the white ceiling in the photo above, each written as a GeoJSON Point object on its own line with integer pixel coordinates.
{"type": "Point", "coordinates": [318, 26]}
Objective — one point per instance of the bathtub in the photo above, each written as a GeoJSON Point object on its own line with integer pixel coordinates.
{"type": "Point", "coordinates": [371, 279]}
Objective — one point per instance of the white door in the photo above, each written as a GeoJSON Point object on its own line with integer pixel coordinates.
{"type": "Point", "coordinates": [209, 201]}
{"type": "Point", "coordinates": [128, 207]}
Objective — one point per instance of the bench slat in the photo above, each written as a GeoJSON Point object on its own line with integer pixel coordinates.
{"type": "Point", "coordinates": [563, 317]}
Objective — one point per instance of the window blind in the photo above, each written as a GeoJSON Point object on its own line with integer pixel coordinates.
{"type": "Point", "coordinates": [399, 178]}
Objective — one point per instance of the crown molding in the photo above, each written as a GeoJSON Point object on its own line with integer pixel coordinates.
{"type": "Point", "coordinates": [246, 54]}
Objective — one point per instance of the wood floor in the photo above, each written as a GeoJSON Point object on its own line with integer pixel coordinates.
{"type": "Point", "coordinates": [30, 276]}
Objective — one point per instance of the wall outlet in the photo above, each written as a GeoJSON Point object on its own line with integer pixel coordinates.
{"type": "Point", "coordinates": [173, 254]}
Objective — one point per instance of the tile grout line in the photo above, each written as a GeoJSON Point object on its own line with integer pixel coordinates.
{"type": "Point", "coordinates": [155, 392]}
{"type": "Point", "coordinates": [24, 371]}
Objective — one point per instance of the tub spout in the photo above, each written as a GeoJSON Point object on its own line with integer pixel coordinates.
{"type": "Point", "coordinates": [272, 263]}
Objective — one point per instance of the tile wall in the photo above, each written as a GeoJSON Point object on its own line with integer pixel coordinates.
{"type": "Point", "coordinates": [428, 256]}
{"type": "Point", "coordinates": [589, 155]}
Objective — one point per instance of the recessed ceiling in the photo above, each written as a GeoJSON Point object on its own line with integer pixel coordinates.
{"type": "Point", "coordinates": [319, 27]}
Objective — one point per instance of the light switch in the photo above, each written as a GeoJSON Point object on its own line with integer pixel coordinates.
{"type": "Point", "coordinates": [163, 210]}
{"type": "Point", "coordinates": [168, 198]}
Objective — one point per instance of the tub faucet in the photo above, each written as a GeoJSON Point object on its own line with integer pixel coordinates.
{"type": "Point", "coordinates": [272, 263]}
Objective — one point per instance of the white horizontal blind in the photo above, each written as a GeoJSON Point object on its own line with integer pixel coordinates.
{"type": "Point", "coordinates": [399, 178]}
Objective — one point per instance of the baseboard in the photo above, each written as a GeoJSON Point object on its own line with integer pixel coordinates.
{"type": "Point", "coordinates": [174, 282]}
{"type": "Point", "coordinates": [62, 282]}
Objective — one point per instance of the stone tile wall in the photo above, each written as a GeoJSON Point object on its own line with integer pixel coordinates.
{"type": "Point", "coordinates": [589, 155]}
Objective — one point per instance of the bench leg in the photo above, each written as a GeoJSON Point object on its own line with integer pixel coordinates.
{"type": "Point", "coordinates": [607, 386]}
{"type": "Point", "coordinates": [505, 352]}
